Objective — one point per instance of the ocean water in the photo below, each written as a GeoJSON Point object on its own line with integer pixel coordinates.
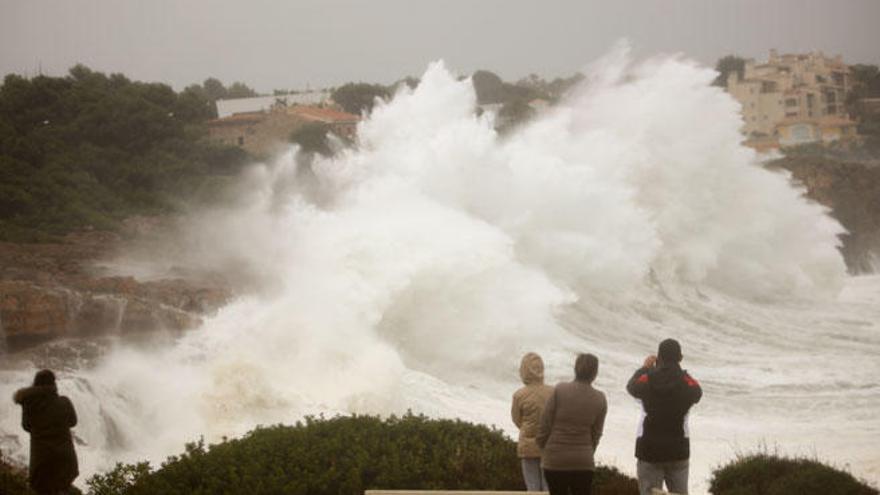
{"type": "Point", "coordinates": [413, 271]}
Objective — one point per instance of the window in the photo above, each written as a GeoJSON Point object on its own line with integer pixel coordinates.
{"type": "Point", "coordinates": [241, 140]}
{"type": "Point", "coordinates": [791, 102]}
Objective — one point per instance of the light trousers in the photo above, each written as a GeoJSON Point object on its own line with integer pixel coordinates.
{"type": "Point", "coordinates": [533, 474]}
{"type": "Point", "coordinates": [653, 474]}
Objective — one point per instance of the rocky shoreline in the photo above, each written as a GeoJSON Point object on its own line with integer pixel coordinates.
{"type": "Point", "coordinates": [60, 290]}
{"type": "Point", "coordinates": [850, 189]}
{"type": "Point", "coordinates": [57, 290]}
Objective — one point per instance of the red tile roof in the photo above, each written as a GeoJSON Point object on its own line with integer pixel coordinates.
{"type": "Point", "coordinates": [326, 115]}
{"type": "Point", "coordinates": [239, 119]}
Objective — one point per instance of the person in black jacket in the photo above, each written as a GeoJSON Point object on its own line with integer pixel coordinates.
{"type": "Point", "coordinates": [48, 417]}
{"type": "Point", "coordinates": [667, 393]}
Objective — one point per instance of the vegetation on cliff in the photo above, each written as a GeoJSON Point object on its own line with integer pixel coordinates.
{"type": "Point", "coordinates": [764, 474]}
{"type": "Point", "coordinates": [343, 455]}
{"type": "Point", "coordinates": [88, 149]}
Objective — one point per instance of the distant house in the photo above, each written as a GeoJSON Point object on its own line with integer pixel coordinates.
{"type": "Point", "coordinates": [226, 108]}
{"type": "Point", "coordinates": [342, 123]}
{"type": "Point", "coordinates": [264, 133]}
{"type": "Point", "coordinates": [793, 99]}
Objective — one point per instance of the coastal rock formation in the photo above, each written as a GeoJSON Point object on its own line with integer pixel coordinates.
{"type": "Point", "coordinates": [50, 291]}
{"type": "Point", "coordinates": [33, 313]}
{"type": "Point", "coordinates": [851, 189]}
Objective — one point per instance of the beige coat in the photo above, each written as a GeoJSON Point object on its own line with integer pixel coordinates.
{"type": "Point", "coordinates": [528, 404]}
{"type": "Point", "coordinates": [571, 427]}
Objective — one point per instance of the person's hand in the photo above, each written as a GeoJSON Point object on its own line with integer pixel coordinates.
{"type": "Point", "coordinates": [650, 361]}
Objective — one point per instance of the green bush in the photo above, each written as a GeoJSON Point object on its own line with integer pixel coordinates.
{"type": "Point", "coordinates": [343, 455]}
{"type": "Point", "coordinates": [764, 474]}
{"type": "Point", "coordinates": [13, 480]}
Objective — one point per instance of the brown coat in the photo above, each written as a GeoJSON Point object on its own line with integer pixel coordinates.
{"type": "Point", "coordinates": [528, 404]}
{"type": "Point", "coordinates": [571, 427]}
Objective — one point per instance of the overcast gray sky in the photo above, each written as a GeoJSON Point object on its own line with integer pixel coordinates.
{"type": "Point", "coordinates": [294, 43]}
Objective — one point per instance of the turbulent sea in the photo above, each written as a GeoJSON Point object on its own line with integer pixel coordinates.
{"type": "Point", "coordinates": [413, 271]}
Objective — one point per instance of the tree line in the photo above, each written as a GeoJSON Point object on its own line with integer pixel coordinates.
{"type": "Point", "coordinates": [87, 149]}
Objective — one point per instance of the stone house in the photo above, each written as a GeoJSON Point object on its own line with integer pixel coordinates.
{"type": "Point", "coordinates": [265, 133]}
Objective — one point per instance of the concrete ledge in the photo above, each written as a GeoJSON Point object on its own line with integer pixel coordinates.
{"type": "Point", "coordinates": [446, 492]}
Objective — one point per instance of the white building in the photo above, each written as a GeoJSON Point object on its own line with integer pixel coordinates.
{"type": "Point", "coordinates": [225, 108]}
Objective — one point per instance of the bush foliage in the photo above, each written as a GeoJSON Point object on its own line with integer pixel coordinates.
{"type": "Point", "coordinates": [763, 474]}
{"type": "Point", "coordinates": [13, 481]}
{"type": "Point", "coordinates": [343, 455]}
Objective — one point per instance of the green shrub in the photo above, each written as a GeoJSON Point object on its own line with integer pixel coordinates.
{"type": "Point", "coordinates": [343, 455]}
{"type": "Point", "coordinates": [13, 480]}
{"type": "Point", "coordinates": [764, 474]}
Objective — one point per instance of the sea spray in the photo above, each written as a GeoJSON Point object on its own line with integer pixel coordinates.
{"type": "Point", "coordinates": [413, 269]}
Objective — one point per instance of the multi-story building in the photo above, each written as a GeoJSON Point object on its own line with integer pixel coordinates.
{"type": "Point", "coordinates": [794, 99]}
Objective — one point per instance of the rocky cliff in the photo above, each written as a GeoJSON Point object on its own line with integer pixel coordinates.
{"type": "Point", "coordinates": [53, 290]}
{"type": "Point", "coordinates": [851, 189]}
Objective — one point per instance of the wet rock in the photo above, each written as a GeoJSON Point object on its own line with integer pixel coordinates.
{"type": "Point", "coordinates": [100, 314]}
{"type": "Point", "coordinates": [53, 290]}
{"type": "Point", "coordinates": [30, 313]}
{"type": "Point", "coordinates": [852, 191]}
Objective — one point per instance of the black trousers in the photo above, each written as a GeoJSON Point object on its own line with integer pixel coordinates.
{"type": "Point", "coordinates": [569, 482]}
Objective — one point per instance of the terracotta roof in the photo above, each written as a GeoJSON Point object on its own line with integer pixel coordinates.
{"type": "Point", "coordinates": [326, 115]}
{"type": "Point", "coordinates": [239, 119]}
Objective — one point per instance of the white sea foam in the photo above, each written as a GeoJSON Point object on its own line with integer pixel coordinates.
{"type": "Point", "coordinates": [413, 271]}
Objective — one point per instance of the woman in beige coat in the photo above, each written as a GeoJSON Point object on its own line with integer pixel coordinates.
{"type": "Point", "coordinates": [528, 404]}
{"type": "Point", "coordinates": [571, 427]}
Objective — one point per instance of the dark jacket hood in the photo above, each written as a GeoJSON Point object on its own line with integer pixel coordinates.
{"type": "Point", "coordinates": [35, 396]}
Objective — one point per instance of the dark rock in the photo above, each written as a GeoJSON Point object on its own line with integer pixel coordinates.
{"type": "Point", "coordinates": [852, 191]}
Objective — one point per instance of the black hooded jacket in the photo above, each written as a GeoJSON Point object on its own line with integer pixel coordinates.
{"type": "Point", "coordinates": [667, 394]}
{"type": "Point", "coordinates": [49, 417]}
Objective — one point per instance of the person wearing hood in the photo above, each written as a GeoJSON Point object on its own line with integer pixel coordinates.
{"type": "Point", "coordinates": [48, 417]}
{"type": "Point", "coordinates": [528, 404]}
{"type": "Point", "coordinates": [667, 393]}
